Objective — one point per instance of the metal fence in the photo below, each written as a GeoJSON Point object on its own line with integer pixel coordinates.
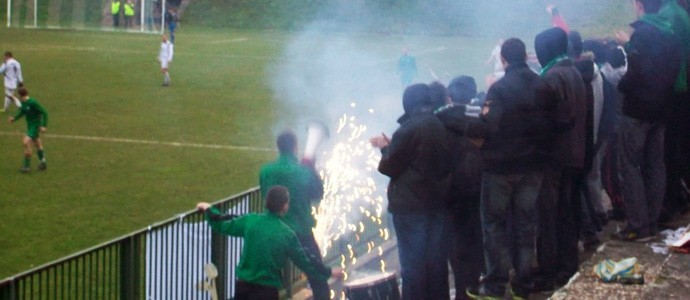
{"type": "Point", "coordinates": [163, 261]}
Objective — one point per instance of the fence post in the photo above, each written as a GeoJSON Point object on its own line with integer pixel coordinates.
{"type": "Point", "coordinates": [130, 269]}
{"type": "Point", "coordinates": [8, 290]}
{"type": "Point", "coordinates": [219, 257]}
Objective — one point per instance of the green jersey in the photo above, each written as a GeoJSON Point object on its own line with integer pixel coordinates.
{"type": "Point", "coordinates": [304, 185]}
{"type": "Point", "coordinates": [268, 243]}
{"type": "Point", "coordinates": [36, 116]}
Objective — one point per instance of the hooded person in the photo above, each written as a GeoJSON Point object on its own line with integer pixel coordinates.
{"type": "Point", "coordinates": [563, 95]}
{"type": "Point", "coordinates": [655, 58]}
{"type": "Point", "coordinates": [416, 160]}
{"type": "Point", "coordinates": [466, 256]}
{"type": "Point", "coordinates": [676, 139]}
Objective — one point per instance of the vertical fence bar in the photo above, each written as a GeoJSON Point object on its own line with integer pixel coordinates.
{"type": "Point", "coordinates": [163, 9]}
{"type": "Point", "coordinates": [219, 246]}
{"type": "Point", "coordinates": [141, 15]}
{"type": "Point", "coordinates": [7, 290]}
{"type": "Point", "coordinates": [9, 13]}
{"type": "Point", "coordinates": [129, 269]}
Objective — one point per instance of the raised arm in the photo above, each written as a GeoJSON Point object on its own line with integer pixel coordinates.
{"type": "Point", "coordinates": [396, 156]}
{"type": "Point", "coordinates": [225, 224]}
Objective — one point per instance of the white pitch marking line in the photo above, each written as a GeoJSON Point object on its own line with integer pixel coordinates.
{"type": "Point", "coordinates": [227, 41]}
{"type": "Point", "coordinates": [147, 142]}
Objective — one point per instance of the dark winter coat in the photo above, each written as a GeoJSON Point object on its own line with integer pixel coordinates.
{"type": "Point", "coordinates": [465, 158]}
{"type": "Point", "coordinates": [417, 163]}
{"type": "Point", "coordinates": [586, 68]}
{"type": "Point", "coordinates": [653, 66]}
{"type": "Point", "coordinates": [563, 94]}
{"type": "Point", "coordinates": [514, 128]}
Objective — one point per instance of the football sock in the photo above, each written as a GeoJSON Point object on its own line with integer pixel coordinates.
{"type": "Point", "coordinates": [41, 155]}
{"type": "Point", "coordinates": [7, 103]}
{"type": "Point", "coordinates": [166, 78]}
{"type": "Point", "coordinates": [27, 162]}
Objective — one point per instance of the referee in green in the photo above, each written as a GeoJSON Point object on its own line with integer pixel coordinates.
{"type": "Point", "coordinates": [36, 121]}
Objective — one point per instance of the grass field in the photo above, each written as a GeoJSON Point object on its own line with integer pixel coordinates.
{"type": "Point", "coordinates": [119, 145]}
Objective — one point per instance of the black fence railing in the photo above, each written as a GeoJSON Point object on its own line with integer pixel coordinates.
{"type": "Point", "coordinates": [163, 261]}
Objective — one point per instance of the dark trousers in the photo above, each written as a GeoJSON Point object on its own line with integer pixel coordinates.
{"type": "Point", "coordinates": [128, 21]}
{"type": "Point", "coordinates": [559, 223]}
{"type": "Point", "coordinates": [677, 153]}
{"type": "Point", "coordinates": [466, 256]}
{"type": "Point", "coordinates": [250, 291]}
{"type": "Point", "coordinates": [643, 173]}
{"type": "Point", "coordinates": [422, 254]}
{"type": "Point", "coordinates": [116, 20]}
{"type": "Point", "coordinates": [319, 287]}
{"type": "Point", "coordinates": [508, 219]}
{"type": "Point", "coordinates": [171, 29]}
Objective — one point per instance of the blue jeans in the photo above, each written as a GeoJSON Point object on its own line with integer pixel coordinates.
{"type": "Point", "coordinates": [422, 251]}
{"type": "Point", "coordinates": [508, 215]}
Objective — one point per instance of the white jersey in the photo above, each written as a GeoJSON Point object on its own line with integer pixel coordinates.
{"type": "Point", "coordinates": [166, 52]}
{"type": "Point", "coordinates": [13, 73]}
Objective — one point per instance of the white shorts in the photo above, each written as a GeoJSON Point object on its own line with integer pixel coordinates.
{"type": "Point", "coordinates": [164, 64]}
{"type": "Point", "coordinates": [9, 92]}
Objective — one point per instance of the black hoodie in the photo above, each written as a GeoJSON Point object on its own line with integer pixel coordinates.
{"type": "Point", "coordinates": [562, 93]}
{"type": "Point", "coordinates": [416, 159]}
{"type": "Point", "coordinates": [653, 65]}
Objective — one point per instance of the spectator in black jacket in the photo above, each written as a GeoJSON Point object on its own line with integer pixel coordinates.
{"type": "Point", "coordinates": [466, 255]}
{"type": "Point", "coordinates": [588, 192]}
{"type": "Point", "coordinates": [648, 86]}
{"type": "Point", "coordinates": [514, 163]}
{"type": "Point", "coordinates": [415, 159]}
{"type": "Point", "coordinates": [563, 94]}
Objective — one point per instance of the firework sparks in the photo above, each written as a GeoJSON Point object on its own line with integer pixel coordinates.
{"type": "Point", "coordinates": [349, 218]}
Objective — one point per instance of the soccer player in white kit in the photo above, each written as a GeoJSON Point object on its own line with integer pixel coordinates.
{"type": "Point", "coordinates": [13, 79]}
{"type": "Point", "coordinates": [165, 56]}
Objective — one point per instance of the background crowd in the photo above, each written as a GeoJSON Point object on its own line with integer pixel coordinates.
{"type": "Point", "coordinates": [596, 131]}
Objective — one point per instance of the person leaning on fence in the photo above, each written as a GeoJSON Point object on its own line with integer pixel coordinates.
{"type": "Point", "coordinates": [268, 243]}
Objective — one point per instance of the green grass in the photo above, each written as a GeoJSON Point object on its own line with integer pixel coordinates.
{"type": "Point", "coordinates": [107, 85]}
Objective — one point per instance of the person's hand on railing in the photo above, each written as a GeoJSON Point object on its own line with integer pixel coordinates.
{"type": "Point", "coordinates": [202, 206]}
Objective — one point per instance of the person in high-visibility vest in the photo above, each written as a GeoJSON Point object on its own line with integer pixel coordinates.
{"type": "Point", "coordinates": [115, 10]}
{"type": "Point", "coordinates": [129, 13]}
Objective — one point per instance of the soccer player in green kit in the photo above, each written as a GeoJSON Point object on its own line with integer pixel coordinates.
{"type": "Point", "coordinates": [36, 121]}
